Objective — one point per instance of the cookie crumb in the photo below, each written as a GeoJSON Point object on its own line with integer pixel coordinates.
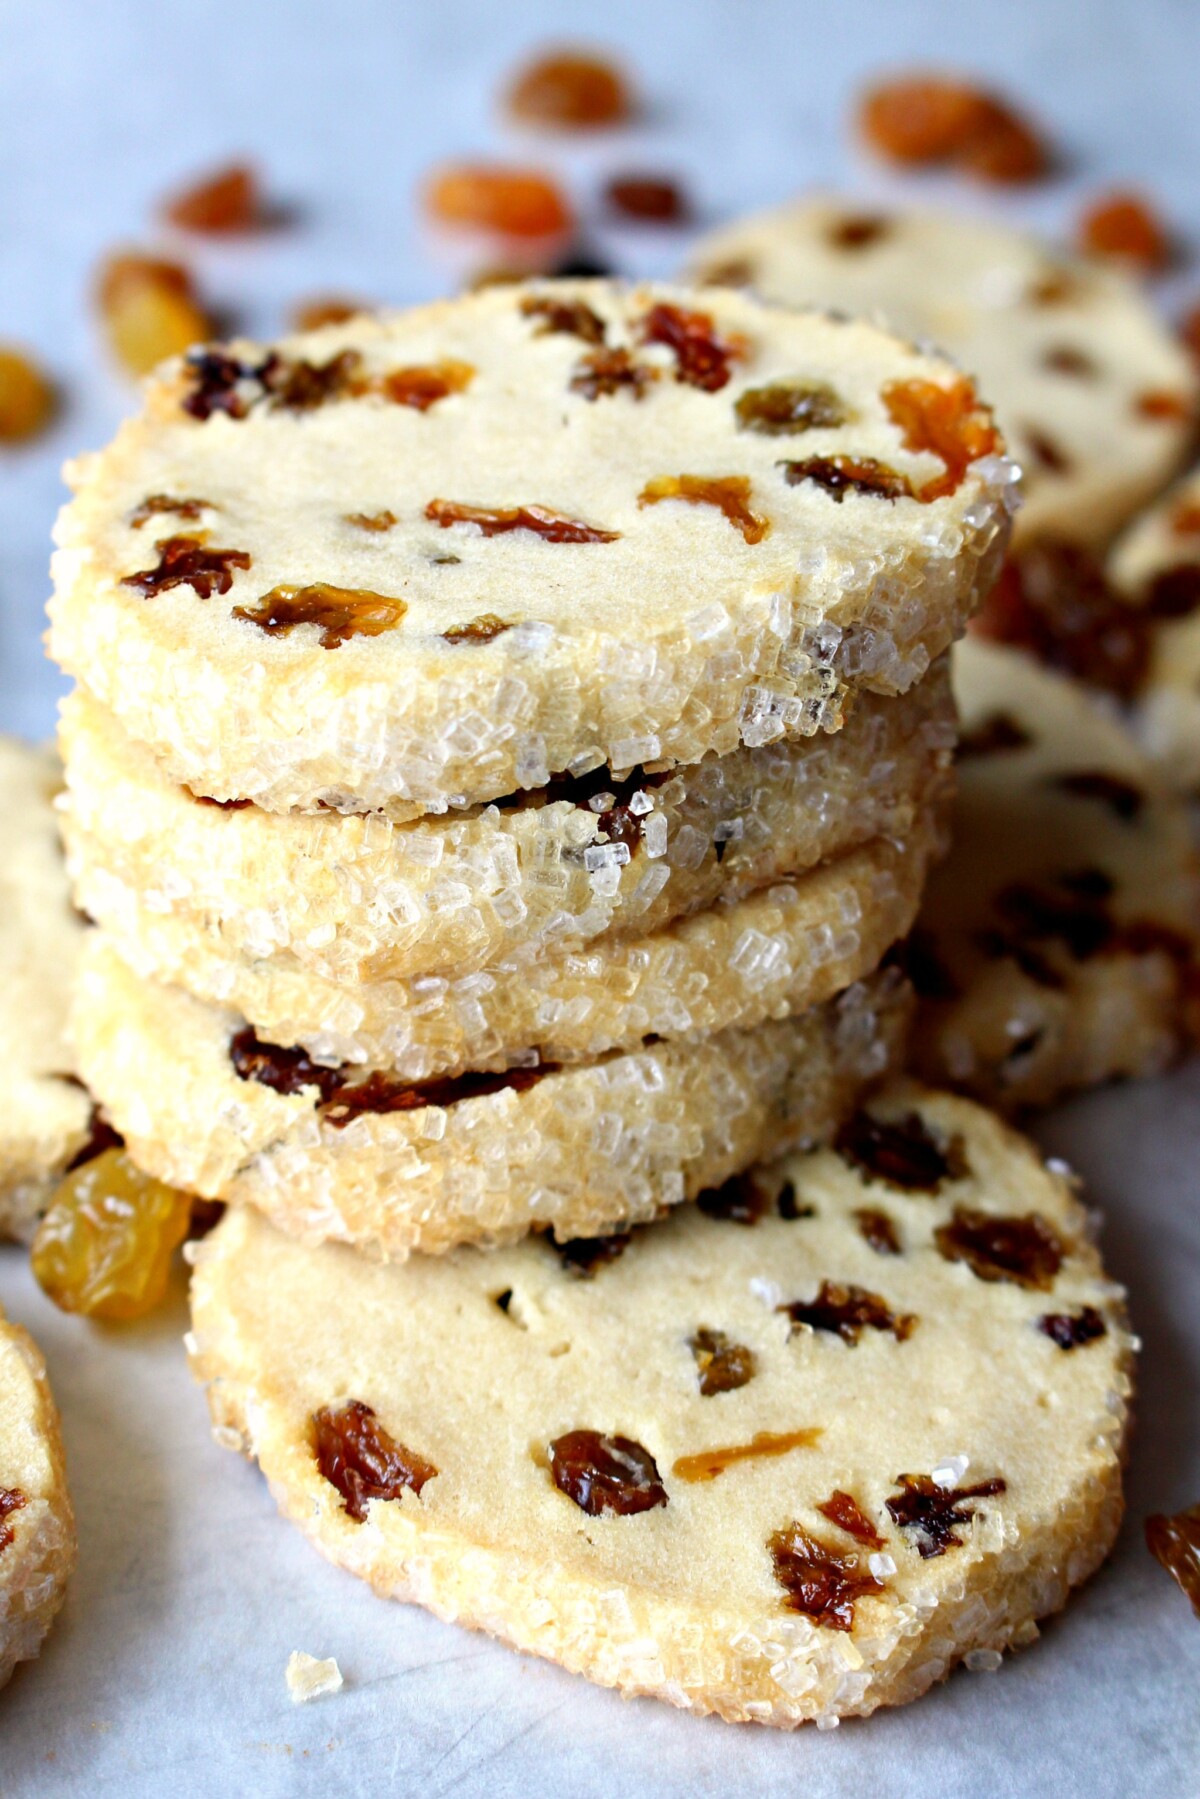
{"type": "Point", "coordinates": [309, 1678]}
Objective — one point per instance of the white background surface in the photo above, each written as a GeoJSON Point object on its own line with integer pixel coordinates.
{"type": "Point", "coordinates": [165, 1672]}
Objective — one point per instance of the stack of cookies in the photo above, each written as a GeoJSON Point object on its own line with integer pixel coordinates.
{"type": "Point", "coordinates": [509, 739]}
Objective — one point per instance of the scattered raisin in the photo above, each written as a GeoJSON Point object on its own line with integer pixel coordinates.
{"type": "Point", "coordinates": [1174, 592]}
{"type": "Point", "coordinates": [790, 1208]}
{"type": "Point", "coordinates": [721, 1364]}
{"type": "Point", "coordinates": [878, 1230]}
{"type": "Point", "coordinates": [155, 503]}
{"type": "Point", "coordinates": [739, 1200]}
{"type": "Point", "coordinates": [916, 956]}
{"type": "Point", "coordinates": [840, 475]}
{"type": "Point", "coordinates": [422, 388]}
{"type": "Point", "coordinates": [935, 1513]}
{"type": "Point", "coordinates": [820, 1583]}
{"type": "Point", "coordinates": [302, 386]}
{"type": "Point", "coordinates": [218, 382]}
{"type": "Point", "coordinates": [582, 1256]}
{"type": "Point", "coordinates": [651, 199]}
{"type": "Point", "coordinates": [1050, 458]}
{"type": "Point", "coordinates": [325, 309]}
{"type": "Point", "coordinates": [1025, 1251]}
{"type": "Point", "coordinates": [206, 799]}
{"type": "Point", "coordinates": [11, 1500]}
{"type": "Point", "coordinates": [554, 527]}
{"type": "Point", "coordinates": [1065, 359]}
{"type": "Point", "coordinates": [228, 200]}
{"type": "Point", "coordinates": [1125, 226]}
{"type": "Point", "coordinates": [478, 630]}
{"type": "Point", "coordinates": [848, 1311]}
{"type": "Point", "coordinates": [1162, 403]}
{"type": "Point", "coordinates": [341, 612]}
{"type": "Point", "coordinates": [105, 1245]}
{"type": "Point", "coordinates": [606, 1474]}
{"type": "Point", "coordinates": [517, 203]}
{"type": "Point", "coordinates": [186, 562]}
{"type": "Point", "coordinates": [948, 422]}
{"type": "Point", "coordinates": [707, 1464]}
{"type": "Point", "coordinates": [373, 521]}
{"type": "Point", "coordinates": [1055, 602]}
{"type": "Point", "coordinates": [569, 91]}
{"type": "Point", "coordinates": [844, 1510]}
{"type": "Point", "coordinates": [285, 1070]}
{"type": "Point", "coordinates": [902, 1152]}
{"type": "Point", "coordinates": [730, 494]}
{"type": "Point", "coordinates": [27, 398]}
{"type": "Point", "coordinates": [858, 233]}
{"type": "Point", "coordinates": [1000, 946]}
{"type": "Point", "coordinates": [1174, 1542]}
{"type": "Point", "coordinates": [361, 1459]}
{"type": "Point", "coordinates": [702, 358]}
{"type": "Point", "coordinates": [150, 310]}
{"type": "Point", "coordinates": [786, 408]}
{"type": "Point", "coordinates": [607, 372]}
{"type": "Point", "coordinates": [926, 119]}
{"type": "Point", "coordinates": [571, 318]}
{"type": "Point", "coordinates": [1070, 1329]}
{"type": "Point", "coordinates": [1123, 799]}
{"type": "Point", "coordinates": [994, 735]}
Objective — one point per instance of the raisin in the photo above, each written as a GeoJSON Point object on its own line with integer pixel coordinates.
{"type": "Point", "coordinates": [935, 1513]}
{"type": "Point", "coordinates": [607, 372]}
{"type": "Point", "coordinates": [1004, 148]}
{"type": "Point", "coordinates": [1174, 1542]}
{"type": "Point", "coordinates": [840, 475]}
{"type": "Point", "coordinates": [706, 1464]}
{"type": "Point", "coordinates": [848, 1311]}
{"type": "Point", "coordinates": [1054, 602]}
{"type": "Point", "coordinates": [721, 1364]}
{"type": "Point", "coordinates": [571, 318]}
{"type": "Point", "coordinates": [569, 91]}
{"type": "Point", "coordinates": [1070, 1329]}
{"type": "Point", "coordinates": [820, 1583]}
{"type": "Point", "coordinates": [156, 503]}
{"type": "Point", "coordinates": [478, 630]}
{"type": "Point", "coordinates": [150, 310]}
{"type": "Point", "coordinates": [789, 1207]}
{"type": "Point", "coordinates": [284, 1070]}
{"type": "Point", "coordinates": [11, 1500]}
{"type": "Point", "coordinates": [737, 272]}
{"type": "Point", "coordinates": [1162, 403]}
{"type": "Point", "coordinates": [1185, 519]}
{"type": "Point", "coordinates": [554, 527]}
{"type": "Point", "coordinates": [205, 799]}
{"type": "Point", "coordinates": [228, 200]}
{"type": "Point", "coordinates": [1125, 226]}
{"type": "Point", "coordinates": [927, 119]}
{"type": "Point", "coordinates": [651, 199]}
{"type": "Point", "coordinates": [902, 1152]}
{"type": "Point", "coordinates": [730, 494]}
{"type": "Point", "coordinates": [218, 382]}
{"type": "Point", "coordinates": [582, 1256]}
{"type": "Point", "coordinates": [702, 358]}
{"type": "Point", "coordinates": [877, 1229]}
{"type": "Point", "coordinates": [105, 1245]}
{"type": "Point", "coordinates": [1175, 592]}
{"type": "Point", "coordinates": [1000, 947]}
{"type": "Point", "coordinates": [1065, 359]}
{"type": "Point", "coordinates": [1025, 1251]}
{"type": "Point", "coordinates": [355, 1454]}
{"type": "Point", "coordinates": [858, 233]}
{"type": "Point", "coordinates": [185, 562]}
{"type": "Point", "coordinates": [1079, 919]}
{"type": "Point", "coordinates": [996, 734]}
{"type": "Point", "coordinates": [1055, 288]}
{"type": "Point", "coordinates": [291, 1070]}
{"type": "Point", "coordinates": [27, 398]}
{"type": "Point", "coordinates": [948, 422]}
{"type": "Point", "coordinates": [100, 1136]}
{"type": "Point", "coordinates": [844, 1510]}
{"type": "Point", "coordinates": [517, 203]}
{"type": "Point", "coordinates": [341, 612]}
{"type": "Point", "coordinates": [1045, 451]}
{"type": "Point", "coordinates": [1123, 799]}
{"type": "Point", "coordinates": [422, 388]}
{"type": "Point", "coordinates": [916, 956]}
{"type": "Point", "coordinates": [325, 309]}
{"type": "Point", "coordinates": [606, 1474]}
{"type": "Point", "coordinates": [740, 1200]}
{"type": "Point", "coordinates": [373, 521]}
{"type": "Point", "coordinates": [302, 386]}
{"type": "Point", "coordinates": [786, 408]}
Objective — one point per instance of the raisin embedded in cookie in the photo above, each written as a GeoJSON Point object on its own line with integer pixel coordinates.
{"type": "Point", "coordinates": [37, 1529]}
{"type": "Point", "coordinates": [854, 1506]}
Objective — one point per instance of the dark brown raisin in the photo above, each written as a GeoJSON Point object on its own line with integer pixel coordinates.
{"type": "Point", "coordinates": [478, 630]}
{"type": "Point", "coordinates": [285, 1070]}
{"type": "Point", "coordinates": [101, 1136]}
{"type": "Point", "coordinates": [848, 1311]}
{"type": "Point", "coordinates": [917, 957]}
{"type": "Point", "coordinates": [1175, 592]}
{"type": "Point", "coordinates": [570, 317]}
{"type": "Point", "coordinates": [1025, 1250]}
{"type": "Point", "coordinates": [844, 1510]}
{"type": "Point", "coordinates": [840, 475]}
{"type": "Point", "coordinates": [786, 408]}
{"type": "Point", "coordinates": [357, 1455]}
{"type": "Point", "coordinates": [1078, 920]}
{"type": "Point", "coordinates": [1054, 602]}
{"type": "Point", "coordinates": [994, 735]}
{"type": "Point", "coordinates": [739, 1200]}
{"type": "Point", "coordinates": [1065, 359]}
{"type": "Point", "coordinates": [707, 1464]}
{"type": "Point", "coordinates": [606, 1474]}
{"type": "Point", "coordinates": [492, 521]}
{"type": "Point", "coordinates": [205, 799]}
{"type": "Point", "coordinates": [858, 233]}
{"type": "Point", "coordinates": [721, 1364]}
{"type": "Point", "coordinates": [163, 502]}
{"type": "Point", "coordinates": [340, 612]}
{"type": "Point", "coordinates": [1174, 1542]}
{"type": "Point", "coordinates": [730, 494]}
{"type": "Point", "coordinates": [303, 386]}
{"type": "Point", "coordinates": [218, 382]}
{"type": "Point", "coordinates": [789, 1207]}
{"type": "Point", "coordinates": [608, 372]}
{"type": "Point", "coordinates": [1000, 946]}
{"type": "Point", "coordinates": [1123, 799]}
{"type": "Point", "coordinates": [1070, 1329]}
{"type": "Point", "coordinates": [903, 1152]}
{"type": "Point", "coordinates": [820, 1583]}
{"type": "Point", "coordinates": [424, 386]}
{"type": "Point", "coordinates": [582, 1256]}
{"type": "Point", "coordinates": [185, 562]}
{"type": "Point", "coordinates": [702, 358]}
{"type": "Point", "coordinates": [877, 1229]}
{"type": "Point", "coordinates": [11, 1500]}
{"type": "Point", "coordinates": [935, 1513]}
{"type": "Point", "coordinates": [948, 422]}
{"type": "Point", "coordinates": [650, 199]}
{"type": "Point", "coordinates": [382, 1092]}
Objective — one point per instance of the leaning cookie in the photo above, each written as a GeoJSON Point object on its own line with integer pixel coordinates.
{"type": "Point", "coordinates": [755, 1460]}
{"type": "Point", "coordinates": [1095, 397]}
{"type": "Point", "coordinates": [428, 560]}
{"type": "Point", "coordinates": [37, 1528]}
{"type": "Point", "coordinates": [1058, 945]}
{"type": "Point", "coordinates": [44, 1112]}
{"type": "Point", "coordinates": [369, 1159]}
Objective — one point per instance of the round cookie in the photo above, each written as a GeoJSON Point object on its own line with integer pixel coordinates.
{"type": "Point", "coordinates": [578, 1150]}
{"type": "Point", "coordinates": [760, 1469]}
{"type": "Point", "coordinates": [777, 951]}
{"type": "Point", "coordinates": [643, 573]}
{"type": "Point", "coordinates": [1094, 395]}
{"type": "Point", "coordinates": [1058, 944]}
{"type": "Point", "coordinates": [359, 898]}
{"type": "Point", "coordinates": [44, 1118]}
{"type": "Point", "coordinates": [37, 1529]}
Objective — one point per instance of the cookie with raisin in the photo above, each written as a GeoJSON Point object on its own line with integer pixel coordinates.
{"type": "Point", "coordinates": [428, 560]}
{"type": "Point", "coordinates": [37, 1527]}
{"type": "Point", "coordinates": [1095, 397]}
{"type": "Point", "coordinates": [1058, 945]}
{"type": "Point", "coordinates": [45, 1115]}
{"type": "Point", "coordinates": [746, 1461]}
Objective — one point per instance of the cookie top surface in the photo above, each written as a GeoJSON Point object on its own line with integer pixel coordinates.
{"type": "Point", "coordinates": [37, 1537]}
{"type": "Point", "coordinates": [532, 571]}
{"type": "Point", "coordinates": [827, 1328]}
{"type": "Point", "coordinates": [1095, 397]}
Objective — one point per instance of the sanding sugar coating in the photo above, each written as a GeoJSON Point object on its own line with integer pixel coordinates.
{"type": "Point", "coordinates": [359, 898]}
{"type": "Point", "coordinates": [37, 1529]}
{"type": "Point", "coordinates": [580, 1151]}
{"type": "Point", "coordinates": [1095, 397]}
{"type": "Point", "coordinates": [618, 625]}
{"type": "Point", "coordinates": [483, 1366]}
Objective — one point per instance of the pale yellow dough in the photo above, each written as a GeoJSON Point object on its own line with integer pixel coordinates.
{"type": "Point", "coordinates": [37, 1561]}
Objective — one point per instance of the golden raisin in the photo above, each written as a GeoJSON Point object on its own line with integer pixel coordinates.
{"type": "Point", "coordinates": [26, 397]}
{"type": "Point", "coordinates": [702, 358]}
{"type": "Point", "coordinates": [949, 422]}
{"type": "Point", "coordinates": [821, 1584]}
{"type": "Point", "coordinates": [1125, 226]}
{"type": "Point", "coordinates": [927, 119]}
{"type": "Point", "coordinates": [341, 612]}
{"type": "Point", "coordinates": [567, 90]}
{"type": "Point", "coordinates": [518, 203]}
{"type": "Point", "coordinates": [1174, 1542]}
{"type": "Point", "coordinates": [11, 1500]}
{"type": "Point", "coordinates": [423, 387]}
{"type": "Point", "coordinates": [493, 521]}
{"type": "Point", "coordinates": [786, 408]}
{"type": "Point", "coordinates": [844, 1510]}
{"type": "Point", "coordinates": [228, 200]}
{"type": "Point", "coordinates": [104, 1247]}
{"type": "Point", "coordinates": [150, 311]}
{"type": "Point", "coordinates": [325, 309]}
{"type": "Point", "coordinates": [730, 494]}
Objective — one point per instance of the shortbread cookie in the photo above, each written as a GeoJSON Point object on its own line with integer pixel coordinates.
{"type": "Point", "coordinates": [790, 1454]}
{"type": "Point", "coordinates": [45, 1111]}
{"type": "Point", "coordinates": [781, 949]}
{"type": "Point", "coordinates": [1059, 943]}
{"type": "Point", "coordinates": [1095, 397]}
{"type": "Point", "coordinates": [37, 1529]}
{"type": "Point", "coordinates": [1155, 567]}
{"type": "Point", "coordinates": [362, 899]}
{"type": "Point", "coordinates": [368, 1159]}
{"type": "Point", "coordinates": [432, 559]}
